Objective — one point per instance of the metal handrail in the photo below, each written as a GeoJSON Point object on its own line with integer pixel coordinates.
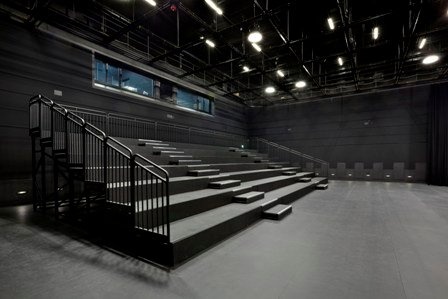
{"type": "Point", "coordinates": [292, 151]}
{"type": "Point", "coordinates": [108, 145]}
{"type": "Point", "coordinates": [108, 116]}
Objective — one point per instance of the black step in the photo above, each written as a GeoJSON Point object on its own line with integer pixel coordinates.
{"type": "Point", "coordinates": [289, 173]}
{"type": "Point", "coordinates": [153, 144]}
{"type": "Point", "coordinates": [278, 212]}
{"type": "Point", "coordinates": [305, 180]}
{"type": "Point", "coordinates": [166, 152]}
{"type": "Point", "coordinates": [224, 184]}
{"type": "Point", "coordinates": [322, 186]}
{"type": "Point", "coordinates": [248, 197]}
{"type": "Point", "coordinates": [186, 162]}
{"type": "Point", "coordinates": [203, 172]}
{"type": "Point", "coordinates": [272, 166]}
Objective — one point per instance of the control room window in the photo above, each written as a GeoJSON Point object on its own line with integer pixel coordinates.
{"type": "Point", "coordinates": [136, 83]}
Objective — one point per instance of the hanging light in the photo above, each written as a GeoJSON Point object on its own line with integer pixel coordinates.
{"type": "Point", "coordinates": [255, 37]}
{"type": "Point", "coordinates": [375, 33]}
{"type": "Point", "coordinates": [214, 6]}
{"type": "Point", "coordinates": [340, 61]}
{"type": "Point", "coordinates": [330, 23]}
{"type": "Point", "coordinates": [246, 68]}
{"type": "Point", "coordinates": [210, 43]}
{"type": "Point", "coordinates": [152, 2]}
{"type": "Point", "coordinates": [422, 43]}
{"type": "Point", "coordinates": [300, 84]}
{"type": "Point", "coordinates": [280, 73]}
{"type": "Point", "coordinates": [256, 47]}
{"type": "Point", "coordinates": [269, 90]}
{"type": "Point", "coordinates": [430, 59]}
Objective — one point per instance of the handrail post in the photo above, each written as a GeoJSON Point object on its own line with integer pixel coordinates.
{"type": "Point", "coordinates": [84, 148]}
{"type": "Point", "coordinates": [132, 178]}
{"type": "Point", "coordinates": [105, 165]}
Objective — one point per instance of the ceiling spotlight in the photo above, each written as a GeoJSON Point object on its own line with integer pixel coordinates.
{"type": "Point", "coordinates": [300, 84]}
{"type": "Point", "coordinates": [375, 33]}
{"type": "Point", "coordinates": [21, 192]}
{"type": "Point", "coordinates": [152, 2]}
{"type": "Point", "coordinates": [280, 73]}
{"type": "Point", "coordinates": [422, 43]}
{"type": "Point", "coordinates": [255, 37]}
{"type": "Point", "coordinates": [246, 68]}
{"type": "Point", "coordinates": [431, 59]}
{"type": "Point", "coordinates": [269, 90]}
{"type": "Point", "coordinates": [256, 47]}
{"type": "Point", "coordinates": [330, 23]}
{"type": "Point", "coordinates": [340, 61]}
{"type": "Point", "coordinates": [210, 43]}
{"type": "Point", "coordinates": [214, 6]}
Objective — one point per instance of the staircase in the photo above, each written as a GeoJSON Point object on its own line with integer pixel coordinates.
{"type": "Point", "coordinates": [199, 196]}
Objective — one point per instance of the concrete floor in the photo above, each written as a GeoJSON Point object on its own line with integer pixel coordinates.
{"type": "Point", "coordinates": [355, 240]}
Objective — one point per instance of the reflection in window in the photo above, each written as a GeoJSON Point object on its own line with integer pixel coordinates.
{"type": "Point", "coordinates": [136, 83]}
{"type": "Point", "coordinates": [110, 75]}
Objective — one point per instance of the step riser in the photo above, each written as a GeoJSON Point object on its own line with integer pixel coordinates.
{"type": "Point", "coordinates": [190, 246]}
{"type": "Point", "coordinates": [193, 207]}
{"type": "Point", "coordinates": [289, 198]}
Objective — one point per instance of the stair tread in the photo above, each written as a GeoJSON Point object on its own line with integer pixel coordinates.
{"type": "Point", "coordinates": [249, 194]}
{"type": "Point", "coordinates": [277, 209]}
{"type": "Point", "coordinates": [150, 140]}
{"type": "Point", "coordinates": [192, 195]}
{"type": "Point", "coordinates": [187, 227]}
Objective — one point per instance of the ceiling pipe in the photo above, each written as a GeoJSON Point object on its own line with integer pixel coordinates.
{"type": "Point", "coordinates": [408, 44]}
{"type": "Point", "coordinates": [348, 43]}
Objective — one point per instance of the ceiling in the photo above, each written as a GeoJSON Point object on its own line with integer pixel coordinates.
{"type": "Point", "coordinates": [297, 40]}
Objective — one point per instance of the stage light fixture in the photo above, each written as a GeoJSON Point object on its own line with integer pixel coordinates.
{"type": "Point", "coordinates": [330, 23]}
{"type": "Point", "coordinates": [152, 2]}
{"type": "Point", "coordinates": [269, 90]}
{"type": "Point", "coordinates": [340, 61]}
{"type": "Point", "coordinates": [210, 43]}
{"type": "Point", "coordinates": [214, 6]}
{"type": "Point", "coordinates": [256, 47]}
{"type": "Point", "coordinates": [375, 33]}
{"type": "Point", "coordinates": [422, 43]}
{"type": "Point", "coordinates": [246, 68]}
{"type": "Point", "coordinates": [430, 59]}
{"type": "Point", "coordinates": [255, 37]}
{"type": "Point", "coordinates": [300, 84]}
{"type": "Point", "coordinates": [280, 73]}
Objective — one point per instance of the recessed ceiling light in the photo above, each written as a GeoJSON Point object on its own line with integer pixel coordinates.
{"type": "Point", "coordinates": [269, 89]}
{"type": "Point", "coordinates": [210, 43]}
{"type": "Point", "coordinates": [330, 23]}
{"type": "Point", "coordinates": [431, 59]}
{"type": "Point", "coordinates": [300, 84]}
{"type": "Point", "coordinates": [375, 33]}
{"type": "Point", "coordinates": [340, 61]}
{"type": "Point", "coordinates": [256, 47]}
{"type": "Point", "coordinates": [246, 68]}
{"type": "Point", "coordinates": [152, 2]}
{"type": "Point", "coordinates": [280, 73]}
{"type": "Point", "coordinates": [255, 37]}
{"type": "Point", "coordinates": [214, 6]}
{"type": "Point", "coordinates": [422, 43]}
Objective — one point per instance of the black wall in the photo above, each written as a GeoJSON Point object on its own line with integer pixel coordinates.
{"type": "Point", "coordinates": [32, 62]}
{"type": "Point", "coordinates": [388, 127]}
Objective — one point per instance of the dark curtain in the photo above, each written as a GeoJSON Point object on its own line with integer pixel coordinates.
{"type": "Point", "coordinates": [438, 136]}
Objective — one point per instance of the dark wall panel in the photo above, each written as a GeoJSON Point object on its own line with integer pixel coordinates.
{"type": "Point", "coordinates": [382, 127]}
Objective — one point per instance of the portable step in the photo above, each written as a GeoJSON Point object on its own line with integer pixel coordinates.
{"type": "Point", "coordinates": [322, 186]}
{"type": "Point", "coordinates": [186, 162]}
{"type": "Point", "coordinates": [163, 152]}
{"type": "Point", "coordinates": [149, 140]}
{"type": "Point", "coordinates": [203, 172]}
{"type": "Point", "coordinates": [224, 184]}
{"type": "Point", "coordinates": [305, 180]}
{"type": "Point", "coordinates": [180, 156]}
{"type": "Point", "coordinates": [164, 148]}
{"type": "Point", "coordinates": [275, 166]}
{"type": "Point", "coordinates": [248, 197]}
{"type": "Point", "coordinates": [278, 212]}
{"type": "Point", "coordinates": [153, 144]}
{"type": "Point", "coordinates": [289, 173]}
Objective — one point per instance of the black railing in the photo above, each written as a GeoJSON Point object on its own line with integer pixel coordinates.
{"type": "Point", "coordinates": [295, 158]}
{"type": "Point", "coordinates": [120, 125]}
{"type": "Point", "coordinates": [128, 184]}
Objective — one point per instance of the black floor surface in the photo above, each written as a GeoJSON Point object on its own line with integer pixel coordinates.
{"type": "Point", "coordinates": [354, 240]}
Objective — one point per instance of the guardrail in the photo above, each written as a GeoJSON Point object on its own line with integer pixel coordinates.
{"type": "Point", "coordinates": [282, 153]}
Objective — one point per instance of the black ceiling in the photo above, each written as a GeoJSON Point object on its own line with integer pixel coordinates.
{"type": "Point", "coordinates": [296, 39]}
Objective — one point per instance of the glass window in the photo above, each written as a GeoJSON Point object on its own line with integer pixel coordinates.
{"type": "Point", "coordinates": [124, 79]}
{"type": "Point", "coordinates": [186, 99]}
{"type": "Point", "coordinates": [113, 75]}
{"type": "Point", "coordinates": [100, 71]}
{"type": "Point", "coordinates": [136, 83]}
